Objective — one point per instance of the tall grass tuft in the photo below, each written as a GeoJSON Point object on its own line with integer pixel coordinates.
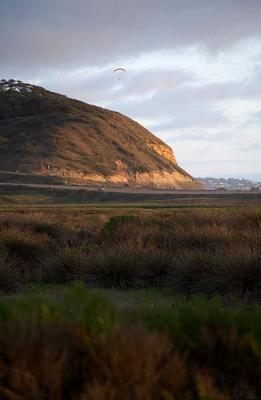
{"type": "Point", "coordinates": [63, 265]}
{"type": "Point", "coordinates": [126, 266]}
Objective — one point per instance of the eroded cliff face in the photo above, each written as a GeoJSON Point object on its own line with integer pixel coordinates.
{"type": "Point", "coordinates": [123, 175]}
{"type": "Point", "coordinates": [163, 150]}
{"type": "Point", "coordinates": [154, 179]}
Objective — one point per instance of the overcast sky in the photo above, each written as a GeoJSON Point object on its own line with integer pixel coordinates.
{"type": "Point", "coordinates": [193, 69]}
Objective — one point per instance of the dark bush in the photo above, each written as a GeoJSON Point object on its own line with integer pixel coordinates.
{"type": "Point", "coordinates": [63, 266]}
{"type": "Point", "coordinates": [127, 267]}
{"type": "Point", "coordinates": [9, 277]}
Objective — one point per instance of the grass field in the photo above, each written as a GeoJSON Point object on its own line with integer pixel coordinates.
{"type": "Point", "coordinates": [155, 299]}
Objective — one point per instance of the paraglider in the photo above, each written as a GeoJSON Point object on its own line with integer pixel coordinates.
{"type": "Point", "coordinates": [119, 70]}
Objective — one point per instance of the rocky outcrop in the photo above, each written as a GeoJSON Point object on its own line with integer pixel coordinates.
{"type": "Point", "coordinates": [163, 150]}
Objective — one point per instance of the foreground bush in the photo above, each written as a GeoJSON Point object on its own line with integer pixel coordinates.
{"type": "Point", "coordinates": [77, 346]}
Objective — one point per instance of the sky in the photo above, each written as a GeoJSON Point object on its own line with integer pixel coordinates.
{"type": "Point", "coordinates": [193, 69]}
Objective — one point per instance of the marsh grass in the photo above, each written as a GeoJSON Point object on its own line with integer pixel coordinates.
{"type": "Point", "coordinates": [151, 328]}
{"type": "Point", "coordinates": [206, 252]}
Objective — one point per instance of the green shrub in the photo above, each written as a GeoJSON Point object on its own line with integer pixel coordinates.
{"type": "Point", "coordinates": [113, 229]}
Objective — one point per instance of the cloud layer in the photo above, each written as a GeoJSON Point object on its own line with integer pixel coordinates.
{"type": "Point", "coordinates": [95, 31]}
{"type": "Point", "coordinates": [194, 68]}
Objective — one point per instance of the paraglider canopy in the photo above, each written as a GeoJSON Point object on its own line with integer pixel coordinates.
{"type": "Point", "coordinates": [120, 69]}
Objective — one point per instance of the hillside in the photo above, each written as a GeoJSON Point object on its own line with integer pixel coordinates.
{"type": "Point", "coordinates": [46, 133]}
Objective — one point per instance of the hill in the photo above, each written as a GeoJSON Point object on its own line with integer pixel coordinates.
{"type": "Point", "coordinates": [46, 133]}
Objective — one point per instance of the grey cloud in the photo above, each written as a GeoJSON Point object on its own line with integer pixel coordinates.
{"type": "Point", "coordinates": [88, 87]}
{"type": "Point", "coordinates": [185, 105]}
{"type": "Point", "coordinates": [157, 80]}
{"type": "Point", "coordinates": [56, 32]}
{"type": "Point", "coordinates": [182, 104]}
{"type": "Point", "coordinates": [253, 147]}
{"type": "Point", "coordinates": [216, 161]}
{"type": "Point", "coordinates": [250, 87]}
{"type": "Point", "coordinates": [184, 92]}
{"type": "Point", "coordinates": [202, 136]}
{"type": "Point", "coordinates": [193, 117]}
{"type": "Point", "coordinates": [254, 120]}
{"type": "Point", "coordinates": [100, 87]}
